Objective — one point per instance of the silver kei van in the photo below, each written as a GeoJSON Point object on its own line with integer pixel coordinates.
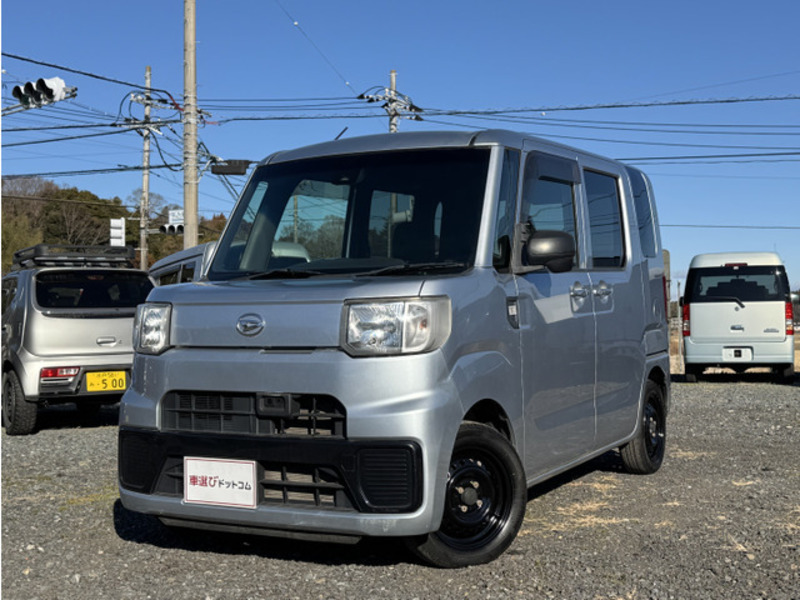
{"type": "Point", "coordinates": [182, 266]}
{"type": "Point", "coordinates": [67, 328]}
{"type": "Point", "coordinates": [480, 312]}
{"type": "Point", "coordinates": [738, 314]}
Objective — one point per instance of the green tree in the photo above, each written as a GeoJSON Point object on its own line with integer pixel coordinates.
{"type": "Point", "coordinates": [80, 218]}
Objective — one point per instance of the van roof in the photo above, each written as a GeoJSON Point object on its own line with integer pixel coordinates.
{"type": "Point", "coordinates": [420, 139]}
{"type": "Point", "coordinates": [720, 259]}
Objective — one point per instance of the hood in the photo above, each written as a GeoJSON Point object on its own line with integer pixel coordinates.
{"type": "Point", "coordinates": [300, 314]}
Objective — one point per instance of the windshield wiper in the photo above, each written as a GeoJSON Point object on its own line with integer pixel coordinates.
{"type": "Point", "coordinates": [730, 299]}
{"type": "Point", "coordinates": [409, 268]}
{"type": "Point", "coordinates": [285, 274]}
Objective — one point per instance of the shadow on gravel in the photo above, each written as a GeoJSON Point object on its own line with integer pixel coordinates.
{"type": "Point", "coordinates": [67, 416]}
{"type": "Point", "coordinates": [610, 462]}
{"type": "Point", "coordinates": [145, 529]}
{"type": "Point", "coordinates": [730, 377]}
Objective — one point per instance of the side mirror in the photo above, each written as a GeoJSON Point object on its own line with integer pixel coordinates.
{"type": "Point", "coordinates": [554, 250]}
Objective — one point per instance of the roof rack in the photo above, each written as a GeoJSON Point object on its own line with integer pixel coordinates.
{"type": "Point", "coordinates": [53, 255]}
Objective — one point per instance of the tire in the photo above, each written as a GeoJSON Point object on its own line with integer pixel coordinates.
{"type": "Point", "coordinates": [19, 415]}
{"type": "Point", "coordinates": [784, 374]}
{"type": "Point", "coordinates": [645, 452]}
{"type": "Point", "coordinates": [692, 373]}
{"type": "Point", "coordinates": [484, 501]}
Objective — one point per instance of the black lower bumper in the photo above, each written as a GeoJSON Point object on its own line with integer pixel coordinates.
{"type": "Point", "coordinates": [335, 474]}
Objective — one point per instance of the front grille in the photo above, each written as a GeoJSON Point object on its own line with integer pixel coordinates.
{"type": "Point", "coordinates": [299, 485]}
{"type": "Point", "coordinates": [253, 414]}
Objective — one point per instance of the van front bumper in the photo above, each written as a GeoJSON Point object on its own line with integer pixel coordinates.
{"type": "Point", "coordinates": [303, 485]}
{"type": "Point", "coordinates": [381, 473]}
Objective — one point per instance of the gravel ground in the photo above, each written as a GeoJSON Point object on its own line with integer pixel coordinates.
{"type": "Point", "coordinates": [721, 519]}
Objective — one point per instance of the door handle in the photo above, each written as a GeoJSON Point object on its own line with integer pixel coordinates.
{"type": "Point", "coordinates": [602, 290]}
{"type": "Point", "coordinates": [578, 291]}
{"type": "Point", "coordinates": [107, 341]}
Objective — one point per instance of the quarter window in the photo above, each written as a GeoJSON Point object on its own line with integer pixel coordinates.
{"type": "Point", "coordinates": [644, 213]}
{"type": "Point", "coordinates": [605, 220]}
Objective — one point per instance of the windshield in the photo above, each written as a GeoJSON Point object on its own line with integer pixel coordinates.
{"type": "Point", "coordinates": [737, 283]}
{"type": "Point", "coordinates": [357, 214]}
{"type": "Point", "coordinates": [91, 288]}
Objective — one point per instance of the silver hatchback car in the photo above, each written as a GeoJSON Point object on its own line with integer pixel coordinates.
{"type": "Point", "coordinates": [67, 326]}
{"type": "Point", "coordinates": [477, 312]}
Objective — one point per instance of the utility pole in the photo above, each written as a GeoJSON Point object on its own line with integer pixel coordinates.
{"type": "Point", "coordinates": [396, 105]}
{"type": "Point", "coordinates": [190, 176]}
{"type": "Point", "coordinates": [392, 101]}
{"type": "Point", "coordinates": [144, 205]}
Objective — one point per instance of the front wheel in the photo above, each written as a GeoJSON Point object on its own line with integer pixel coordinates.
{"type": "Point", "coordinates": [645, 452]}
{"type": "Point", "coordinates": [19, 415]}
{"type": "Point", "coordinates": [484, 501]}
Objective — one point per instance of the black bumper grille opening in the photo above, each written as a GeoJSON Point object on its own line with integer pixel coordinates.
{"type": "Point", "coordinates": [234, 413]}
{"type": "Point", "coordinates": [387, 477]}
{"type": "Point", "coordinates": [304, 486]}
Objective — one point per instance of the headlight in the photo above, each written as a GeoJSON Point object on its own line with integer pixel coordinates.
{"type": "Point", "coordinates": [396, 326]}
{"type": "Point", "coordinates": [151, 328]}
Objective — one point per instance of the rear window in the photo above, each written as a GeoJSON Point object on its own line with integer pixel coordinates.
{"type": "Point", "coordinates": [91, 288]}
{"type": "Point", "coordinates": [743, 283]}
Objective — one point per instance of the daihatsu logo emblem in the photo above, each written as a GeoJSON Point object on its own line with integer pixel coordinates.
{"type": "Point", "coordinates": [250, 324]}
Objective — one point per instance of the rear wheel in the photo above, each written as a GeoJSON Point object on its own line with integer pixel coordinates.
{"type": "Point", "coordinates": [484, 501]}
{"type": "Point", "coordinates": [19, 416]}
{"type": "Point", "coordinates": [692, 373]}
{"type": "Point", "coordinates": [645, 452]}
{"type": "Point", "coordinates": [784, 374]}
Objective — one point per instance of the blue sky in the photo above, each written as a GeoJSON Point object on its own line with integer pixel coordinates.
{"type": "Point", "coordinates": [449, 56]}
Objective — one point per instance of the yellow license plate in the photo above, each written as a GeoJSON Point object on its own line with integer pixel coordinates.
{"type": "Point", "coordinates": [106, 381]}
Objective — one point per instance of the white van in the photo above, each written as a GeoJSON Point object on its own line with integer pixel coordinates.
{"type": "Point", "coordinates": [737, 313]}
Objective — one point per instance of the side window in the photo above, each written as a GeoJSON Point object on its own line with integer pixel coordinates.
{"type": "Point", "coordinates": [187, 272]}
{"type": "Point", "coordinates": [605, 220]}
{"type": "Point", "coordinates": [506, 207]}
{"type": "Point", "coordinates": [9, 293]}
{"type": "Point", "coordinates": [169, 278]}
{"type": "Point", "coordinates": [644, 213]}
{"type": "Point", "coordinates": [548, 195]}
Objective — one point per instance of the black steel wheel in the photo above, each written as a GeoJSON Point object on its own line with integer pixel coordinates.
{"type": "Point", "coordinates": [19, 416]}
{"type": "Point", "coordinates": [645, 452]}
{"type": "Point", "coordinates": [484, 501]}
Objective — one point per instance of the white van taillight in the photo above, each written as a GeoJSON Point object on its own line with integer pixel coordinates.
{"type": "Point", "coordinates": [666, 297]}
{"type": "Point", "coordinates": [789, 319]}
{"type": "Point", "coordinates": [687, 330]}
{"type": "Point", "coordinates": [58, 374]}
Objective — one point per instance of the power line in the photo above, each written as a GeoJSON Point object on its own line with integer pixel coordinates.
{"type": "Point", "coordinates": [121, 169]}
{"type": "Point", "coordinates": [317, 48]}
{"type": "Point", "coordinates": [707, 156]}
{"type": "Point", "coordinates": [614, 105]}
{"type": "Point", "coordinates": [63, 139]}
{"type": "Point", "coordinates": [761, 227]}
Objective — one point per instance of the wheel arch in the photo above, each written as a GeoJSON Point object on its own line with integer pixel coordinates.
{"type": "Point", "coordinates": [661, 378]}
{"type": "Point", "coordinates": [490, 412]}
